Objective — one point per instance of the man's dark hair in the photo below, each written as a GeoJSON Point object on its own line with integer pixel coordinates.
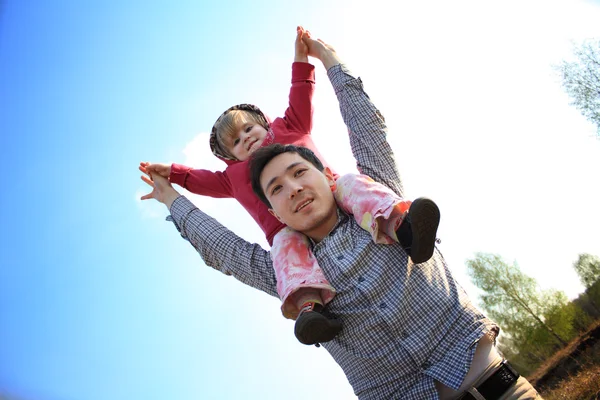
{"type": "Point", "coordinates": [261, 157]}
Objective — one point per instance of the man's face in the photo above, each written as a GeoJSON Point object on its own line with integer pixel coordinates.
{"type": "Point", "coordinates": [249, 138]}
{"type": "Point", "coordinates": [300, 195]}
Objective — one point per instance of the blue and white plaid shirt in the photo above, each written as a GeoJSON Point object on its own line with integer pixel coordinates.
{"type": "Point", "coordinates": [404, 324]}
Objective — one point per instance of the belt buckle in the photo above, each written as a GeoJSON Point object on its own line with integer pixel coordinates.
{"type": "Point", "coordinates": [495, 385]}
{"type": "Point", "coordinates": [499, 382]}
{"type": "Point", "coordinates": [508, 374]}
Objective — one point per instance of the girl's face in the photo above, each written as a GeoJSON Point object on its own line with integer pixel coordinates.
{"type": "Point", "coordinates": [248, 139]}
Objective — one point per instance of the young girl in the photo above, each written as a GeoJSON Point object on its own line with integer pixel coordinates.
{"type": "Point", "coordinates": [301, 284]}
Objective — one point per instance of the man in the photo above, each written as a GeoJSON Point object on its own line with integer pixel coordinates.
{"type": "Point", "coordinates": [409, 330]}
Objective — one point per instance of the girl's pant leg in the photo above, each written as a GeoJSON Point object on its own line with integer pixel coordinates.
{"type": "Point", "coordinates": [375, 207]}
{"type": "Point", "coordinates": [297, 270]}
{"type": "Point", "coordinates": [305, 295]}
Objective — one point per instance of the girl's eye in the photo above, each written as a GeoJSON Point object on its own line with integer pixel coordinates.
{"type": "Point", "coordinates": [275, 189]}
{"type": "Point", "coordinates": [236, 141]}
{"type": "Point", "coordinates": [249, 128]}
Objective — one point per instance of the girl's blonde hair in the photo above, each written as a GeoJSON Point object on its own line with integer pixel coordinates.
{"type": "Point", "coordinates": [229, 126]}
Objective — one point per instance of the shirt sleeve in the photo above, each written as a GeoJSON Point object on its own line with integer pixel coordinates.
{"type": "Point", "coordinates": [299, 113]}
{"type": "Point", "coordinates": [366, 128]}
{"type": "Point", "coordinates": [201, 181]}
{"type": "Point", "coordinates": [222, 249]}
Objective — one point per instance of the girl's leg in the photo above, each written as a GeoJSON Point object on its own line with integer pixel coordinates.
{"type": "Point", "coordinates": [388, 217]}
{"type": "Point", "coordinates": [303, 288]}
{"type": "Point", "coordinates": [375, 207]}
{"type": "Point", "coordinates": [312, 324]}
{"type": "Point", "coordinates": [298, 274]}
{"type": "Point", "coordinates": [305, 295]}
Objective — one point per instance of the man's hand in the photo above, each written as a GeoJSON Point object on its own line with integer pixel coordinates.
{"type": "Point", "coordinates": [163, 170]}
{"type": "Point", "coordinates": [321, 50]}
{"type": "Point", "coordinates": [162, 190]}
{"type": "Point", "coordinates": [300, 45]}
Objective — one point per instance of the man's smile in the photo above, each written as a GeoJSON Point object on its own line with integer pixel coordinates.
{"type": "Point", "coordinates": [303, 204]}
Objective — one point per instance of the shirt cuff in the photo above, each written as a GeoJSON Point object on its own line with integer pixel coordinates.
{"type": "Point", "coordinates": [302, 71]}
{"type": "Point", "coordinates": [178, 174]}
{"type": "Point", "coordinates": [180, 209]}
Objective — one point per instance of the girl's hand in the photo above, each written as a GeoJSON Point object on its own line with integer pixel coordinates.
{"type": "Point", "coordinates": [301, 47]}
{"type": "Point", "coordinates": [163, 170]}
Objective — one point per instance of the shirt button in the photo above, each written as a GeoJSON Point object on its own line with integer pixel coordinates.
{"type": "Point", "coordinates": [403, 334]}
{"type": "Point", "coordinates": [426, 365]}
{"type": "Point", "coordinates": [340, 257]}
{"type": "Point", "coordinates": [361, 279]}
{"type": "Point", "coordinates": [382, 305]}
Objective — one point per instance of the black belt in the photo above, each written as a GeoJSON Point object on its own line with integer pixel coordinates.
{"type": "Point", "coordinates": [497, 384]}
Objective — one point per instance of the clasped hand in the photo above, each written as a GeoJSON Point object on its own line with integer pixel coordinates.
{"type": "Point", "coordinates": [156, 176]}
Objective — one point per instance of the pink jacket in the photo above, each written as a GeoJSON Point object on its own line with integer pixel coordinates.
{"type": "Point", "coordinates": [293, 128]}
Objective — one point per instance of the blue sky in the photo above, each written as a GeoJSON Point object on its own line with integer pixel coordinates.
{"type": "Point", "coordinates": [100, 298]}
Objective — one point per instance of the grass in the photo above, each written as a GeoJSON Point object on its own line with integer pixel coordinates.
{"type": "Point", "coordinates": [583, 386]}
{"type": "Point", "coordinates": [560, 356]}
{"type": "Point", "coordinates": [572, 373]}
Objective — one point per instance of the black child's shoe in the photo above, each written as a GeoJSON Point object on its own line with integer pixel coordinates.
{"type": "Point", "coordinates": [313, 327]}
{"type": "Point", "coordinates": [417, 232]}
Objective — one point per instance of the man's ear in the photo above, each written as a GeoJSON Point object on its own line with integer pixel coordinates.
{"type": "Point", "coordinates": [330, 179]}
{"type": "Point", "coordinates": [273, 213]}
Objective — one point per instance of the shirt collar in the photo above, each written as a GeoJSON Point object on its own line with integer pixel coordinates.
{"type": "Point", "coordinates": [342, 217]}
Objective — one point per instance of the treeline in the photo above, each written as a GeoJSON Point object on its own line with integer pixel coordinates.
{"type": "Point", "coordinates": [534, 323]}
{"type": "Point", "coordinates": [580, 79]}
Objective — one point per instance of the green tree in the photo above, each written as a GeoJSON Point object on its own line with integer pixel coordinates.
{"type": "Point", "coordinates": [581, 79]}
{"type": "Point", "coordinates": [587, 267]}
{"type": "Point", "coordinates": [564, 316]}
{"type": "Point", "coordinates": [511, 297]}
{"type": "Point", "coordinates": [593, 293]}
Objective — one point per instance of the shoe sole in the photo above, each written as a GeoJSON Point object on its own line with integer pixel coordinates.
{"type": "Point", "coordinates": [315, 328]}
{"type": "Point", "coordinates": [424, 219]}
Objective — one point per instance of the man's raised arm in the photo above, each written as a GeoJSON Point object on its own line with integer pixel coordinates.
{"type": "Point", "coordinates": [218, 246]}
{"type": "Point", "coordinates": [366, 126]}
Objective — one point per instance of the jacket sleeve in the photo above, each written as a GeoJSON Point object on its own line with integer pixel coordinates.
{"type": "Point", "coordinates": [222, 249]}
{"type": "Point", "coordinates": [367, 129]}
{"type": "Point", "coordinates": [201, 181]}
{"type": "Point", "coordinates": [299, 113]}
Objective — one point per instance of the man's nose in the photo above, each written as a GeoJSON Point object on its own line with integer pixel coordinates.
{"type": "Point", "coordinates": [295, 188]}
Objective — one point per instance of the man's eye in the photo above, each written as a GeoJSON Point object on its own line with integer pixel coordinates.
{"type": "Point", "coordinates": [275, 189]}
{"type": "Point", "coordinates": [300, 172]}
